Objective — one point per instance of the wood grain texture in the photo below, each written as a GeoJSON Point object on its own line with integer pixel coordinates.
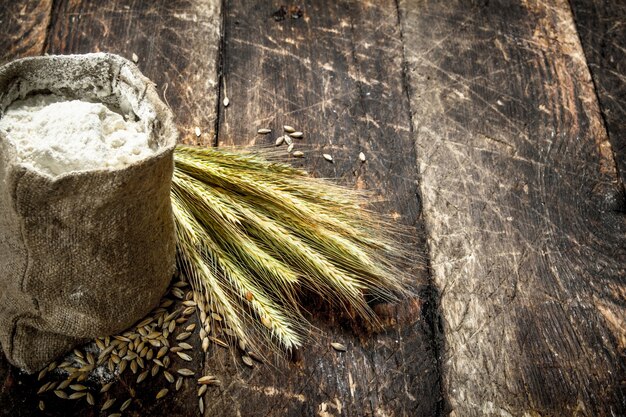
{"type": "Point", "coordinates": [336, 74]}
{"type": "Point", "coordinates": [177, 43]}
{"type": "Point", "coordinates": [517, 178]}
{"type": "Point", "coordinates": [602, 31]}
{"type": "Point", "coordinates": [24, 26]}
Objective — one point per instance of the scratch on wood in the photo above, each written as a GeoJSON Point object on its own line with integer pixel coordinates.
{"type": "Point", "coordinates": [273, 392]}
{"type": "Point", "coordinates": [615, 317]}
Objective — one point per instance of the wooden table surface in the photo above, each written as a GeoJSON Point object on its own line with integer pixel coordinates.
{"type": "Point", "coordinates": [494, 130]}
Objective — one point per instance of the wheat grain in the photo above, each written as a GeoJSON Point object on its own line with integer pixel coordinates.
{"type": "Point", "coordinates": [168, 376]}
{"type": "Point", "coordinates": [247, 360]}
{"type": "Point", "coordinates": [61, 394]}
{"type": "Point", "coordinates": [142, 376]}
{"type": "Point", "coordinates": [126, 404]}
{"type": "Point", "coordinates": [183, 336]}
{"type": "Point", "coordinates": [108, 404]}
{"type": "Point", "coordinates": [208, 380]}
{"type": "Point", "coordinates": [339, 347]}
{"type": "Point", "coordinates": [106, 387]}
{"type": "Point", "coordinates": [162, 393]}
{"type": "Point", "coordinates": [185, 372]}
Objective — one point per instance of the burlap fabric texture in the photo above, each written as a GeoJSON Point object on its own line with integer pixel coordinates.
{"type": "Point", "coordinates": [84, 254]}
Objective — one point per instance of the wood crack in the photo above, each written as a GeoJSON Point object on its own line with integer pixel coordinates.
{"type": "Point", "coordinates": [220, 75]}
{"type": "Point", "coordinates": [431, 296]}
{"type": "Point", "coordinates": [51, 20]}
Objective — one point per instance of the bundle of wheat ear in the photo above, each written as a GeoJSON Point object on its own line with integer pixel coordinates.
{"type": "Point", "coordinates": [252, 234]}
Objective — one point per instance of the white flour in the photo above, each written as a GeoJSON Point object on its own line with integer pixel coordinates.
{"type": "Point", "coordinates": [56, 136]}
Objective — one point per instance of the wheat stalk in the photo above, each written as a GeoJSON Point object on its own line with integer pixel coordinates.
{"type": "Point", "coordinates": [252, 234]}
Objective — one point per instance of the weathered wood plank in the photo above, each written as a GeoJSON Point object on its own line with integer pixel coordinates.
{"type": "Point", "coordinates": [335, 73]}
{"type": "Point", "coordinates": [24, 27]}
{"type": "Point", "coordinates": [517, 178]}
{"type": "Point", "coordinates": [602, 31]}
{"type": "Point", "coordinates": [24, 31]}
{"type": "Point", "coordinates": [177, 44]}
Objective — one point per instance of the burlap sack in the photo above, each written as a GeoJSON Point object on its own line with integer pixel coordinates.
{"type": "Point", "coordinates": [84, 254]}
